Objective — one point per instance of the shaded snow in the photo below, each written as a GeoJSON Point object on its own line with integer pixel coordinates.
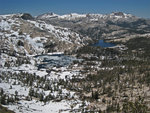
{"type": "Point", "coordinates": [4, 25]}
{"type": "Point", "coordinates": [39, 107]}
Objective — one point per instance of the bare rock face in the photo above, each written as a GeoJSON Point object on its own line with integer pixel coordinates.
{"type": "Point", "coordinates": [119, 14]}
{"type": "Point", "coordinates": [27, 16]}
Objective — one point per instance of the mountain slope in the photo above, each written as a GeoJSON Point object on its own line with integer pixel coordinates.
{"type": "Point", "coordinates": [35, 35]}
{"type": "Point", "coordinates": [25, 45]}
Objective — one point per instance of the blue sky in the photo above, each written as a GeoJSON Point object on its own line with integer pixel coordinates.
{"type": "Point", "coordinates": [139, 8]}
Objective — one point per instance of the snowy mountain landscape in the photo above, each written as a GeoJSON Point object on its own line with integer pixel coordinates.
{"type": "Point", "coordinates": [76, 63]}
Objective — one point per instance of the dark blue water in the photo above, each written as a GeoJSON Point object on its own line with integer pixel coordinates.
{"type": "Point", "coordinates": [103, 44]}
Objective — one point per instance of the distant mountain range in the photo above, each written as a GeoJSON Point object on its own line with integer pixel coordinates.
{"type": "Point", "coordinates": [73, 16]}
{"type": "Point", "coordinates": [114, 25]}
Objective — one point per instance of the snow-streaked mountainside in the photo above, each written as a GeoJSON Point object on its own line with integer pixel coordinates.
{"type": "Point", "coordinates": [22, 39]}
{"type": "Point", "coordinates": [35, 35]}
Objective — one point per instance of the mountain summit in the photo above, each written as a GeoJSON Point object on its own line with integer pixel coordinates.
{"type": "Point", "coordinates": [74, 16]}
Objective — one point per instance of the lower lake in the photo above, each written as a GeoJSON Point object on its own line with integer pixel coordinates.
{"type": "Point", "coordinates": [55, 60]}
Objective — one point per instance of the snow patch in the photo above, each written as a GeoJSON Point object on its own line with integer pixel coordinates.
{"type": "Point", "coordinates": [4, 25]}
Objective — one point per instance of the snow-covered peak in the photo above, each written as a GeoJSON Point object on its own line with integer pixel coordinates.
{"type": "Point", "coordinates": [7, 21]}
{"type": "Point", "coordinates": [119, 15]}
{"type": "Point", "coordinates": [47, 16]}
{"type": "Point", "coordinates": [8, 16]}
{"type": "Point", "coordinates": [24, 16]}
{"type": "Point", "coordinates": [115, 15]}
{"type": "Point", "coordinates": [72, 16]}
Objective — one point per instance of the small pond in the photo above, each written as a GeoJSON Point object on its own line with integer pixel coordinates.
{"type": "Point", "coordinates": [104, 44]}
